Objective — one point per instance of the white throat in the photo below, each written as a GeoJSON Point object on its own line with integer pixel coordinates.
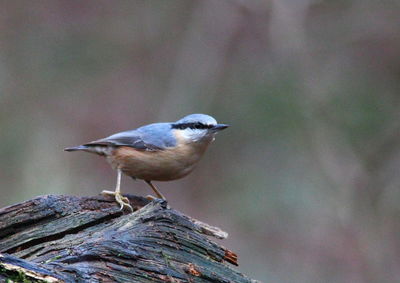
{"type": "Point", "coordinates": [195, 135]}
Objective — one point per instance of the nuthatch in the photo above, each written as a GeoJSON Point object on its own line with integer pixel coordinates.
{"type": "Point", "coordinates": [156, 152]}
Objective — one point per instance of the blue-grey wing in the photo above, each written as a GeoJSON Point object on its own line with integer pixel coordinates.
{"type": "Point", "coordinates": [129, 138]}
{"type": "Point", "coordinates": [151, 137]}
{"type": "Point", "coordinates": [158, 134]}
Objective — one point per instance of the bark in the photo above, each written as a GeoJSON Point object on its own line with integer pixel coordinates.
{"type": "Point", "coordinates": [88, 239]}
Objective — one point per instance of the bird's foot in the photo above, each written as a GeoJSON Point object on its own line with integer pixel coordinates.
{"type": "Point", "coordinates": [123, 201]}
{"type": "Point", "coordinates": [151, 198]}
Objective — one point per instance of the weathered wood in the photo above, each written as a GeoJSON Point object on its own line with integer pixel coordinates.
{"type": "Point", "coordinates": [88, 239]}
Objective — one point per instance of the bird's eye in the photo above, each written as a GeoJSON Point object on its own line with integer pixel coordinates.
{"type": "Point", "coordinates": [198, 126]}
{"type": "Point", "coordinates": [194, 126]}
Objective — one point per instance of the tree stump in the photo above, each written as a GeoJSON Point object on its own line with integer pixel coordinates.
{"type": "Point", "coordinates": [88, 239]}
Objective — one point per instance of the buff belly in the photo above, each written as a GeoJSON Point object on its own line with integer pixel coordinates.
{"type": "Point", "coordinates": [161, 165]}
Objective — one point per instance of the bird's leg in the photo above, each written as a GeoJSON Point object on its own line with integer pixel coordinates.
{"type": "Point", "coordinates": [123, 201]}
{"type": "Point", "coordinates": [156, 191]}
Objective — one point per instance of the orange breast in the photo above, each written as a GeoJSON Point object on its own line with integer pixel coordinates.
{"type": "Point", "coordinates": [162, 165]}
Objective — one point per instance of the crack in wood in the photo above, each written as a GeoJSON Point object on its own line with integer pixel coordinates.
{"type": "Point", "coordinates": [90, 240]}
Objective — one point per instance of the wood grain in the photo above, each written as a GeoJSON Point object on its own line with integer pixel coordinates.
{"type": "Point", "coordinates": [88, 239]}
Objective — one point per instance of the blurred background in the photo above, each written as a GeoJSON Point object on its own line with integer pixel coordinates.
{"type": "Point", "coordinates": [306, 181]}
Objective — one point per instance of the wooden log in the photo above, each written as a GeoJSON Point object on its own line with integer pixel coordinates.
{"type": "Point", "coordinates": [88, 239]}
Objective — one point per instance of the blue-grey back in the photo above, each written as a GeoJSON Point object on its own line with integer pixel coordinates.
{"type": "Point", "coordinates": [158, 134]}
{"type": "Point", "coordinates": [150, 137]}
{"type": "Point", "coordinates": [154, 136]}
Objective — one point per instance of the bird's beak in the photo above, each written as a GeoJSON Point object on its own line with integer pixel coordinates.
{"type": "Point", "coordinates": [220, 127]}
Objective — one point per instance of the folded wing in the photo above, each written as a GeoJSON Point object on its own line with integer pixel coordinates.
{"type": "Point", "coordinates": [132, 139]}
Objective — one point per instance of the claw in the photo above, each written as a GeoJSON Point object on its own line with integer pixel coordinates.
{"type": "Point", "coordinates": [123, 201]}
{"type": "Point", "coordinates": [150, 197]}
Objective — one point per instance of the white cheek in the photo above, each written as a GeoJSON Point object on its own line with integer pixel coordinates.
{"type": "Point", "coordinates": [193, 134]}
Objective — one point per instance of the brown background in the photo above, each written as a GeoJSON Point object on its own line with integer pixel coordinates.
{"type": "Point", "coordinates": [306, 180]}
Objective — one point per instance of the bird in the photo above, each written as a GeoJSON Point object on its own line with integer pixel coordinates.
{"type": "Point", "coordinates": [155, 152]}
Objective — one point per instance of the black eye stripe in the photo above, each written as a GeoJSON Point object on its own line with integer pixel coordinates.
{"type": "Point", "coordinates": [196, 125]}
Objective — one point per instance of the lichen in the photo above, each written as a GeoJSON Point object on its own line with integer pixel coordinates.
{"type": "Point", "coordinates": [18, 276]}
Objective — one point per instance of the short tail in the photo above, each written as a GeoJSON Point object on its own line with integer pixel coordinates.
{"type": "Point", "coordinates": [76, 148]}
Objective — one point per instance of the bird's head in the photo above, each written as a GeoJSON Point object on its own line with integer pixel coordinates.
{"type": "Point", "coordinates": [198, 127]}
